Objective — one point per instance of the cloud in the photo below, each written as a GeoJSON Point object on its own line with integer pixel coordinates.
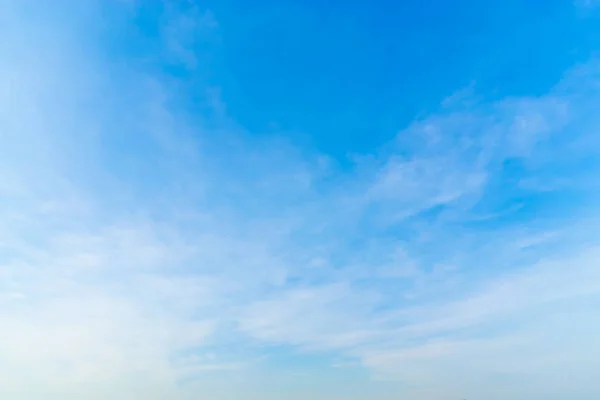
{"type": "Point", "coordinates": [184, 29]}
{"type": "Point", "coordinates": [520, 325]}
{"type": "Point", "coordinates": [586, 3]}
{"type": "Point", "coordinates": [500, 324]}
{"type": "Point", "coordinates": [143, 246]}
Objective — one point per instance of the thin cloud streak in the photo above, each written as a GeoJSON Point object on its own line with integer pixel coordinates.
{"type": "Point", "coordinates": [136, 241]}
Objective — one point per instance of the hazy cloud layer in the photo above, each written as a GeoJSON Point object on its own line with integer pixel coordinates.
{"type": "Point", "coordinates": [145, 246]}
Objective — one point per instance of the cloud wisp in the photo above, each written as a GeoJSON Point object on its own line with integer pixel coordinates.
{"type": "Point", "coordinates": [142, 244]}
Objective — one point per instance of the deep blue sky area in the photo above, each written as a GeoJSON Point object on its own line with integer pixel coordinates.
{"type": "Point", "coordinates": [345, 77]}
{"type": "Point", "coordinates": [364, 70]}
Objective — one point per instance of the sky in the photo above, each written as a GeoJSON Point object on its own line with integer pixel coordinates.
{"type": "Point", "coordinates": [327, 200]}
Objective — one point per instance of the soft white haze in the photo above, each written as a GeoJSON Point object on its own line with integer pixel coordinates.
{"type": "Point", "coordinates": [153, 247]}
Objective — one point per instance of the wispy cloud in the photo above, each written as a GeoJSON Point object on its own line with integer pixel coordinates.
{"type": "Point", "coordinates": [143, 245]}
{"type": "Point", "coordinates": [587, 3]}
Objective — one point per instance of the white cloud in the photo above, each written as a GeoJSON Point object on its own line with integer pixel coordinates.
{"type": "Point", "coordinates": [499, 325]}
{"type": "Point", "coordinates": [138, 249]}
{"type": "Point", "coordinates": [521, 325]}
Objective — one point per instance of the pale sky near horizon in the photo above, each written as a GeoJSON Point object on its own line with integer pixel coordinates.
{"type": "Point", "coordinates": [299, 200]}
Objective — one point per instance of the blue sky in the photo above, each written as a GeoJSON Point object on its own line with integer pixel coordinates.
{"type": "Point", "coordinates": [258, 200]}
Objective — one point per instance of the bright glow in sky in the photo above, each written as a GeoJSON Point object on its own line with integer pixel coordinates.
{"type": "Point", "coordinates": [299, 200]}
